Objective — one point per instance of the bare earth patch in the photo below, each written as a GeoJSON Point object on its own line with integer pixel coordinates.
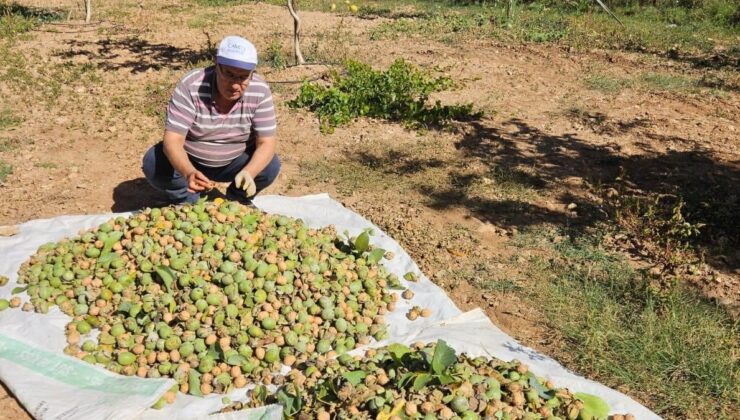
{"type": "Point", "coordinates": [90, 102]}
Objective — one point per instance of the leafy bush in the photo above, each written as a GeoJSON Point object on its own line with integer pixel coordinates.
{"type": "Point", "coordinates": [274, 56]}
{"type": "Point", "coordinates": [400, 93]}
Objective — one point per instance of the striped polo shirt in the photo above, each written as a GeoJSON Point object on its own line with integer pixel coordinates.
{"type": "Point", "coordinates": [211, 138]}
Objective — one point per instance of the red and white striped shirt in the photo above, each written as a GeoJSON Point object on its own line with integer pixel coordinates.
{"type": "Point", "coordinates": [211, 138]}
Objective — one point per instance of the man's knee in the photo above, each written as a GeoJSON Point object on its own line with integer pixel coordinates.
{"type": "Point", "coordinates": [269, 174]}
{"type": "Point", "coordinates": [149, 164]}
{"type": "Point", "coordinates": [161, 175]}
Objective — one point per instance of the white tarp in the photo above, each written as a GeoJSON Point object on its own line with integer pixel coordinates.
{"type": "Point", "coordinates": [90, 392]}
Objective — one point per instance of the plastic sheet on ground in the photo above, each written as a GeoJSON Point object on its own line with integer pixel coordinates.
{"type": "Point", "coordinates": [54, 386]}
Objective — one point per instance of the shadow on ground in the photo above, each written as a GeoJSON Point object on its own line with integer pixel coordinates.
{"type": "Point", "coordinates": [709, 188]}
{"type": "Point", "coordinates": [136, 194]}
{"type": "Point", "coordinates": [136, 54]}
{"type": "Point", "coordinates": [575, 171]}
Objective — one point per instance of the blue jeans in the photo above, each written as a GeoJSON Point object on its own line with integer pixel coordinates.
{"type": "Point", "coordinates": [162, 176]}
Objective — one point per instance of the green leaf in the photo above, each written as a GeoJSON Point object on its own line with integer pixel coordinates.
{"type": "Point", "coordinates": [406, 379]}
{"type": "Point", "coordinates": [376, 255]}
{"type": "Point", "coordinates": [107, 259]}
{"type": "Point", "coordinates": [362, 242]}
{"type": "Point", "coordinates": [124, 307]}
{"type": "Point", "coordinates": [236, 360]}
{"type": "Point", "coordinates": [598, 407]}
{"type": "Point", "coordinates": [324, 393]}
{"type": "Point", "coordinates": [292, 404]}
{"type": "Point", "coordinates": [18, 289]}
{"type": "Point", "coordinates": [354, 377]}
{"type": "Point", "coordinates": [113, 237]}
{"type": "Point", "coordinates": [215, 352]}
{"type": "Point", "coordinates": [167, 276]}
{"type": "Point", "coordinates": [447, 379]}
{"type": "Point", "coordinates": [541, 390]}
{"type": "Point", "coordinates": [397, 351]}
{"type": "Point", "coordinates": [194, 383]}
{"type": "Point", "coordinates": [259, 394]}
{"type": "Point", "coordinates": [422, 380]}
{"type": "Point", "coordinates": [250, 219]}
{"type": "Point", "coordinates": [444, 357]}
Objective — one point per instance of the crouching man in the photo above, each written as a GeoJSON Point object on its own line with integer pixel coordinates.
{"type": "Point", "coordinates": [220, 127]}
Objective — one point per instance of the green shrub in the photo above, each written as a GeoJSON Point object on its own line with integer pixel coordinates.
{"type": "Point", "coordinates": [274, 55]}
{"type": "Point", "coordinates": [400, 94]}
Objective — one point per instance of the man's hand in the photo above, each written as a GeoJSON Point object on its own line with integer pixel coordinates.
{"type": "Point", "coordinates": [198, 182]}
{"type": "Point", "coordinates": [244, 181]}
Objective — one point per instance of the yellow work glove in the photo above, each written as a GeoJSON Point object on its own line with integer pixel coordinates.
{"type": "Point", "coordinates": [245, 182]}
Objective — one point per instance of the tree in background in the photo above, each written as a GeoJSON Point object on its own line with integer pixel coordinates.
{"type": "Point", "coordinates": [88, 10]}
{"type": "Point", "coordinates": [292, 4]}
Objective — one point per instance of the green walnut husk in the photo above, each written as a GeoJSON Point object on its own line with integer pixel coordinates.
{"type": "Point", "coordinates": [215, 294]}
{"type": "Point", "coordinates": [423, 382]}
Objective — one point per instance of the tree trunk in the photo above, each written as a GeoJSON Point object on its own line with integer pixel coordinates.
{"type": "Point", "coordinates": [510, 10]}
{"type": "Point", "coordinates": [88, 10]}
{"type": "Point", "coordinates": [296, 34]}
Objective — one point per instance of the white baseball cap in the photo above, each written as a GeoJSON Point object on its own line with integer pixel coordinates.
{"type": "Point", "coordinates": [236, 51]}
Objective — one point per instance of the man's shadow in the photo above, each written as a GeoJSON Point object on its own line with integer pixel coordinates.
{"type": "Point", "coordinates": [136, 194]}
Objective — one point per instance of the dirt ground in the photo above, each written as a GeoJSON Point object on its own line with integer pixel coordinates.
{"type": "Point", "coordinates": [77, 147]}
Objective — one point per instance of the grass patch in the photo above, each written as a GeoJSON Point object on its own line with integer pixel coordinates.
{"type": "Point", "coordinates": [14, 69]}
{"type": "Point", "coordinates": [399, 94]}
{"type": "Point", "coordinates": [158, 95]}
{"type": "Point", "coordinates": [672, 30]}
{"type": "Point", "coordinates": [668, 82]}
{"type": "Point", "coordinates": [205, 20]}
{"type": "Point", "coordinates": [346, 176]}
{"type": "Point", "coordinates": [5, 170]}
{"type": "Point", "coordinates": [17, 19]}
{"type": "Point", "coordinates": [660, 82]}
{"type": "Point", "coordinates": [505, 183]}
{"type": "Point", "coordinates": [604, 83]}
{"type": "Point", "coordinates": [43, 82]}
{"type": "Point", "coordinates": [8, 145]}
{"type": "Point", "coordinates": [402, 168]}
{"type": "Point", "coordinates": [675, 351]}
{"type": "Point", "coordinates": [501, 286]}
{"type": "Point", "coordinates": [219, 3]}
{"type": "Point", "coordinates": [330, 46]}
{"type": "Point", "coordinates": [8, 119]}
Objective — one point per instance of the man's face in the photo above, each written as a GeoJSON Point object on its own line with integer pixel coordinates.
{"type": "Point", "coordinates": [232, 81]}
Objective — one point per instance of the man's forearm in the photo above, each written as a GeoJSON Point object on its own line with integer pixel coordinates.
{"type": "Point", "coordinates": [175, 151]}
{"type": "Point", "coordinates": [263, 154]}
